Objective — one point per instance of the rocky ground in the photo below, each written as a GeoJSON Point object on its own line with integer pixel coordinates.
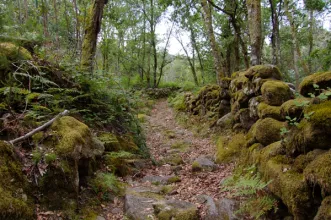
{"type": "Point", "coordinates": [183, 182]}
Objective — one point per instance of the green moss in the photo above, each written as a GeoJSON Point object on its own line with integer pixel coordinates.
{"type": "Point", "coordinates": [293, 108]}
{"type": "Point", "coordinates": [14, 53]}
{"type": "Point", "coordinates": [264, 72]}
{"type": "Point", "coordinates": [301, 162]}
{"type": "Point", "coordinates": [174, 179]}
{"type": "Point", "coordinates": [174, 160]}
{"type": "Point", "coordinates": [318, 172]}
{"type": "Point", "coordinates": [275, 93]}
{"type": "Point", "coordinates": [36, 156]}
{"type": "Point", "coordinates": [107, 184]}
{"type": "Point", "coordinates": [50, 157]}
{"type": "Point", "coordinates": [110, 141]}
{"type": "Point", "coordinates": [322, 79]}
{"type": "Point", "coordinates": [288, 185]}
{"type": "Point", "coordinates": [142, 117]}
{"type": "Point", "coordinates": [226, 151]}
{"type": "Point", "coordinates": [15, 200]}
{"type": "Point", "coordinates": [196, 167]}
{"type": "Point", "coordinates": [166, 189]}
{"type": "Point", "coordinates": [324, 211]}
{"type": "Point", "coordinates": [170, 134]}
{"type": "Point", "coordinates": [164, 212]}
{"type": "Point", "coordinates": [119, 162]}
{"type": "Point", "coordinates": [181, 145]}
{"type": "Point", "coordinates": [37, 137]}
{"type": "Point", "coordinates": [72, 133]}
{"type": "Point", "coordinates": [271, 151]}
{"type": "Point", "coordinates": [178, 102]}
{"type": "Point", "coordinates": [266, 111]}
{"type": "Point", "coordinates": [266, 131]}
{"type": "Point", "coordinates": [312, 133]}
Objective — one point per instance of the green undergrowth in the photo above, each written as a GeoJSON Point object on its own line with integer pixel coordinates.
{"type": "Point", "coordinates": [248, 185]}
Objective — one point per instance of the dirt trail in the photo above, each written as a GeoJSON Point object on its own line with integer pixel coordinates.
{"type": "Point", "coordinates": [174, 149]}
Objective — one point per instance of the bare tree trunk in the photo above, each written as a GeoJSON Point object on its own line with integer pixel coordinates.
{"type": "Point", "coordinates": [311, 38]}
{"type": "Point", "coordinates": [26, 11]}
{"type": "Point", "coordinates": [57, 43]}
{"type": "Point", "coordinates": [295, 43]}
{"type": "Point", "coordinates": [213, 44]}
{"type": "Point", "coordinates": [275, 33]}
{"type": "Point", "coordinates": [255, 30]}
{"type": "Point", "coordinates": [195, 47]}
{"type": "Point", "coordinates": [77, 29]}
{"type": "Point", "coordinates": [45, 18]}
{"type": "Point", "coordinates": [91, 34]}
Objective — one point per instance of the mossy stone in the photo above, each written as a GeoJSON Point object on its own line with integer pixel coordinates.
{"type": "Point", "coordinates": [293, 108]}
{"type": "Point", "coordinates": [264, 72]}
{"type": "Point", "coordinates": [228, 150]}
{"type": "Point", "coordinates": [16, 199]}
{"type": "Point", "coordinates": [275, 93]}
{"type": "Point", "coordinates": [324, 211]}
{"type": "Point", "coordinates": [14, 52]}
{"type": "Point", "coordinates": [266, 131]}
{"type": "Point", "coordinates": [267, 111]}
{"type": "Point", "coordinates": [322, 79]}
{"type": "Point", "coordinates": [301, 162]}
{"type": "Point", "coordinates": [318, 172]}
{"type": "Point", "coordinates": [311, 133]}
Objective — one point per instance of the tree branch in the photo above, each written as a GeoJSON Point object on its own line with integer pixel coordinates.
{"type": "Point", "coordinates": [44, 126]}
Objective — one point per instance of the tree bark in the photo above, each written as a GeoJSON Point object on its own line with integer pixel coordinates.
{"type": "Point", "coordinates": [255, 30]}
{"type": "Point", "coordinates": [275, 33]}
{"type": "Point", "coordinates": [91, 35]}
{"type": "Point", "coordinates": [296, 47]}
{"type": "Point", "coordinates": [311, 38]}
{"type": "Point", "coordinates": [213, 44]}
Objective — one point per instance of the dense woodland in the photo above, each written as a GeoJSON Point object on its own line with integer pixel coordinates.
{"type": "Point", "coordinates": [102, 116]}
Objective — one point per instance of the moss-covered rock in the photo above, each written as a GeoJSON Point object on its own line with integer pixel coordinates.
{"type": "Point", "coordinates": [267, 111]}
{"type": "Point", "coordinates": [114, 142]}
{"type": "Point", "coordinates": [16, 198]}
{"type": "Point", "coordinates": [318, 172]}
{"type": "Point", "coordinates": [264, 72]}
{"type": "Point", "coordinates": [301, 162]}
{"type": "Point", "coordinates": [324, 211]}
{"type": "Point", "coordinates": [311, 133]}
{"type": "Point", "coordinates": [275, 92]}
{"type": "Point", "coordinates": [322, 79]}
{"type": "Point", "coordinates": [265, 131]}
{"type": "Point", "coordinates": [239, 80]}
{"type": "Point", "coordinates": [293, 108]}
{"type": "Point", "coordinates": [76, 149]}
{"type": "Point", "coordinates": [172, 209]}
{"type": "Point", "coordinates": [270, 151]}
{"type": "Point", "coordinates": [289, 186]}
{"type": "Point", "coordinates": [13, 52]}
{"type": "Point", "coordinates": [227, 150]}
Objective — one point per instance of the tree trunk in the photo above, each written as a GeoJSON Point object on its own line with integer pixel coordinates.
{"type": "Point", "coordinates": [275, 33]}
{"type": "Point", "coordinates": [311, 38]}
{"type": "Point", "coordinates": [195, 47]}
{"type": "Point", "coordinates": [213, 44]}
{"type": "Point", "coordinates": [295, 43]}
{"type": "Point", "coordinates": [77, 29]}
{"type": "Point", "coordinates": [255, 30]}
{"type": "Point", "coordinates": [91, 34]}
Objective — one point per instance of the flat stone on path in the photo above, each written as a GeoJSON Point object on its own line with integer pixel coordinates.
{"type": "Point", "coordinates": [205, 163]}
{"type": "Point", "coordinates": [157, 179]}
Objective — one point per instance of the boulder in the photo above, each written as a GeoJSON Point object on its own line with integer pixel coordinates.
{"type": "Point", "coordinates": [16, 201]}
{"type": "Point", "coordinates": [312, 132]}
{"type": "Point", "coordinates": [74, 149]}
{"type": "Point", "coordinates": [227, 150]}
{"type": "Point", "coordinates": [322, 79]}
{"type": "Point", "coordinates": [264, 72]}
{"type": "Point", "coordinates": [275, 93]}
{"type": "Point", "coordinates": [324, 211]}
{"type": "Point", "coordinates": [268, 111]}
{"type": "Point", "coordinates": [204, 163]}
{"type": "Point", "coordinates": [221, 209]}
{"type": "Point", "coordinates": [265, 131]}
{"type": "Point", "coordinates": [163, 180]}
{"type": "Point", "coordinates": [226, 121]}
{"type": "Point", "coordinates": [294, 107]}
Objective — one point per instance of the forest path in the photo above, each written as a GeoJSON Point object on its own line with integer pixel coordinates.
{"type": "Point", "coordinates": [174, 150]}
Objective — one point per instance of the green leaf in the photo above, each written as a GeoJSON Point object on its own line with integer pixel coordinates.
{"type": "Point", "coordinates": [316, 86]}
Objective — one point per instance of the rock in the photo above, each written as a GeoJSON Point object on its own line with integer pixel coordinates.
{"type": "Point", "coordinates": [228, 150]}
{"type": "Point", "coordinates": [75, 149]}
{"type": "Point", "coordinates": [268, 111]}
{"type": "Point", "coordinates": [253, 103]}
{"type": "Point", "coordinates": [16, 199]}
{"type": "Point", "coordinates": [275, 93]}
{"type": "Point", "coordinates": [100, 218]}
{"type": "Point", "coordinates": [265, 131]}
{"type": "Point", "coordinates": [205, 163]}
{"type": "Point", "coordinates": [311, 133]}
{"type": "Point", "coordinates": [322, 79]}
{"type": "Point", "coordinates": [225, 82]}
{"type": "Point", "coordinates": [114, 142]}
{"type": "Point", "coordinates": [226, 121]}
{"type": "Point", "coordinates": [324, 211]}
{"type": "Point", "coordinates": [157, 179]}
{"type": "Point", "coordinates": [227, 208]}
{"type": "Point", "coordinates": [175, 209]}
{"type": "Point", "coordinates": [293, 108]}
{"type": "Point", "coordinates": [264, 72]}
{"type": "Point", "coordinates": [139, 207]}
{"type": "Point", "coordinates": [245, 119]}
